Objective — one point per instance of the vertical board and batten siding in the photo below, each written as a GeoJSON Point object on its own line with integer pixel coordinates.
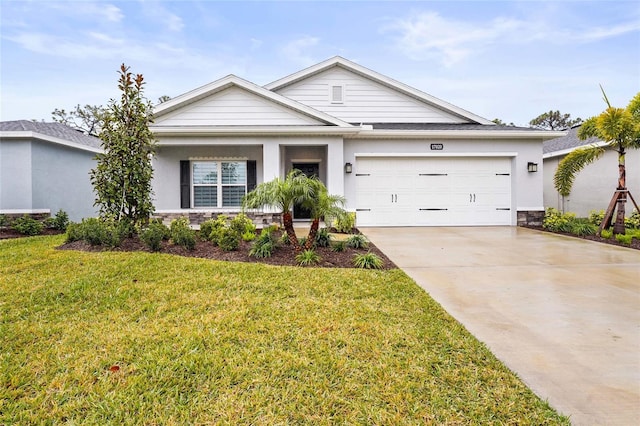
{"type": "Point", "coordinates": [364, 101]}
{"type": "Point", "coordinates": [235, 107]}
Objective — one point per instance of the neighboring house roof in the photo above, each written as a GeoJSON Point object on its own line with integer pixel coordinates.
{"type": "Point", "coordinates": [234, 81]}
{"type": "Point", "coordinates": [338, 61]}
{"type": "Point", "coordinates": [567, 143]}
{"type": "Point", "coordinates": [51, 132]}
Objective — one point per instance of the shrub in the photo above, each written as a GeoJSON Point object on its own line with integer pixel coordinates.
{"type": "Point", "coordinates": [345, 223]}
{"type": "Point", "coordinates": [307, 258]}
{"type": "Point", "coordinates": [624, 239]}
{"type": "Point", "coordinates": [205, 229]}
{"type": "Point", "coordinates": [606, 233]}
{"type": "Point", "coordinates": [60, 220]}
{"type": "Point", "coordinates": [357, 241]}
{"type": "Point", "coordinates": [248, 236]}
{"type": "Point", "coordinates": [153, 235]}
{"type": "Point", "coordinates": [218, 225]}
{"type": "Point", "coordinates": [264, 244]}
{"type": "Point", "coordinates": [596, 217]}
{"type": "Point", "coordinates": [74, 232]}
{"type": "Point", "coordinates": [339, 246]}
{"type": "Point", "coordinates": [3, 221]}
{"type": "Point", "coordinates": [229, 239]}
{"type": "Point", "coordinates": [323, 238]}
{"type": "Point", "coordinates": [241, 224]}
{"type": "Point", "coordinates": [27, 225]}
{"type": "Point", "coordinates": [583, 227]}
{"type": "Point", "coordinates": [633, 221]}
{"type": "Point", "coordinates": [100, 233]}
{"type": "Point", "coordinates": [556, 221]}
{"type": "Point", "coordinates": [367, 261]}
{"type": "Point", "coordinates": [182, 234]}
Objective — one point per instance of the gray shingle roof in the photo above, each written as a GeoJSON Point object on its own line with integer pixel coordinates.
{"type": "Point", "coordinates": [569, 141]}
{"type": "Point", "coordinates": [444, 126]}
{"type": "Point", "coordinates": [56, 130]}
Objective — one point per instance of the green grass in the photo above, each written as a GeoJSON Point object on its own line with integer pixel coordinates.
{"type": "Point", "coordinates": [205, 342]}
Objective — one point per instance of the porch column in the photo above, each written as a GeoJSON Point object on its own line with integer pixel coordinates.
{"type": "Point", "coordinates": [335, 166]}
{"type": "Point", "coordinates": [270, 160]}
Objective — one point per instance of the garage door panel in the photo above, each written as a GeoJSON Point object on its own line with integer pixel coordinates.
{"type": "Point", "coordinates": [433, 191]}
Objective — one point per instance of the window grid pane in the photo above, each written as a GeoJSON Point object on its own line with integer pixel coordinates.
{"type": "Point", "coordinates": [205, 172]}
{"type": "Point", "coordinates": [232, 196]}
{"type": "Point", "coordinates": [205, 196]}
{"type": "Point", "coordinates": [234, 172]}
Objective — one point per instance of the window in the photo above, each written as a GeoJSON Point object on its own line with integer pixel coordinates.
{"type": "Point", "coordinates": [219, 183]}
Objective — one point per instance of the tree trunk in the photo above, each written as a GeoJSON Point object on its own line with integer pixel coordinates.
{"type": "Point", "coordinates": [618, 227]}
{"type": "Point", "coordinates": [287, 222]}
{"type": "Point", "coordinates": [313, 231]}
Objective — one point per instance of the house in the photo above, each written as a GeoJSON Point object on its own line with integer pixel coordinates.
{"type": "Point", "coordinates": [401, 157]}
{"type": "Point", "coordinates": [44, 167]}
{"type": "Point", "coordinates": [595, 184]}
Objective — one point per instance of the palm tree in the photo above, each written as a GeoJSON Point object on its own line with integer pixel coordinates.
{"type": "Point", "coordinates": [322, 204]}
{"type": "Point", "coordinates": [283, 194]}
{"type": "Point", "coordinates": [620, 129]}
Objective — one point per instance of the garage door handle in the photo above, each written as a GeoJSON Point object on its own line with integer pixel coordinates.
{"type": "Point", "coordinates": [363, 210]}
{"type": "Point", "coordinates": [503, 208]}
{"type": "Point", "coordinates": [432, 210]}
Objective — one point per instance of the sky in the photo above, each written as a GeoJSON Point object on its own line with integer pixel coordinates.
{"type": "Point", "coordinates": [511, 60]}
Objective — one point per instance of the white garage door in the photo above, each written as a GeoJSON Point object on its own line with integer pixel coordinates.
{"type": "Point", "coordinates": [453, 191]}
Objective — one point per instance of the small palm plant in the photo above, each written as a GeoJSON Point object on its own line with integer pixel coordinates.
{"type": "Point", "coordinates": [367, 261]}
{"type": "Point", "coordinates": [620, 129]}
{"type": "Point", "coordinates": [283, 194]}
{"type": "Point", "coordinates": [307, 258]}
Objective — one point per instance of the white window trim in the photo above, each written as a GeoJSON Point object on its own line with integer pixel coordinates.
{"type": "Point", "coordinates": [219, 185]}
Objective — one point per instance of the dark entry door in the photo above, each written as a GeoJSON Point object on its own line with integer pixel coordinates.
{"type": "Point", "coordinates": [310, 170]}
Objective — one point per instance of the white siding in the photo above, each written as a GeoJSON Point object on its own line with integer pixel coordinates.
{"type": "Point", "coordinates": [235, 107]}
{"type": "Point", "coordinates": [364, 100]}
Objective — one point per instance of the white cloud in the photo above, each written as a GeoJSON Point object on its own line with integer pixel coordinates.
{"type": "Point", "coordinates": [255, 43]}
{"type": "Point", "coordinates": [297, 50]}
{"type": "Point", "coordinates": [98, 10]}
{"type": "Point", "coordinates": [163, 16]}
{"type": "Point", "coordinates": [429, 35]}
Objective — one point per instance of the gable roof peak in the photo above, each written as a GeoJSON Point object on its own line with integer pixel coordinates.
{"type": "Point", "coordinates": [380, 79]}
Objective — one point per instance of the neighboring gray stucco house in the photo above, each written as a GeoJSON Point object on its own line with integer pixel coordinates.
{"type": "Point", "coordinates": [401, 157]}
{"type": "Point", "coordinates": [595, 184]}
{"type": "Point", "coordinates": [44, 167]}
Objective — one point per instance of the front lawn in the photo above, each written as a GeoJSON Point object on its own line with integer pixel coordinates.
{"type": "Point", "coordinates": [143, 338]}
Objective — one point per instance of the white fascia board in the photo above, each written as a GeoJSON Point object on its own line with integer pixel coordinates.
{"type": "Point", "coordinates": [568, 150]}
{"type": "Point", "coordinates": [382, 79]}
{"type": "Point", "coordinates": [440, 154]}
{"type": "Point", "coordinates": [456, 134]}
{"type": "Point", "coordinates": [27, 134]}
{"type": "Point", "coordinates": [231, 81]}
{"type": "Point", "coordinates": [252, 131]}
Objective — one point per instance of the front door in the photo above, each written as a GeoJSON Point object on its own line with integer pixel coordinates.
{"type": "Point", "coordinates": [310, 170]}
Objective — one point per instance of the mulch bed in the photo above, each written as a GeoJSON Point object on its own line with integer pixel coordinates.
{"type": "Point", "coordinates": [635, 243]}
{"type": "Point", "coordinates": [283, 255]}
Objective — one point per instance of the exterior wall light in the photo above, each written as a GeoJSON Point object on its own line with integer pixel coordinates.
{"type": "Point", "coordinates": [348, 168]}
{"type": "Point", "coordinates": [532, 167]}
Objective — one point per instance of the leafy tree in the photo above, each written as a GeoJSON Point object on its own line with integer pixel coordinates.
{"type": "Point", "coordinates": [554, 120]}
{"type": "Point", "coordinates": [620, 129]}
{"type": "Point", "coordinates": [322, 204]}
{"type": "Point", "coordinates": [502, 123]}
{"type": "Point", "coordinates": [88, 118]}
{"type": "Point", "coordinates": [283, 194]}
{"type": "Point", "coordinates": [122, 178]}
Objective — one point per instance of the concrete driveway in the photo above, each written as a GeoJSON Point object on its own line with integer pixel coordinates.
{"type": "Point", "coordinates": [562, 313]}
